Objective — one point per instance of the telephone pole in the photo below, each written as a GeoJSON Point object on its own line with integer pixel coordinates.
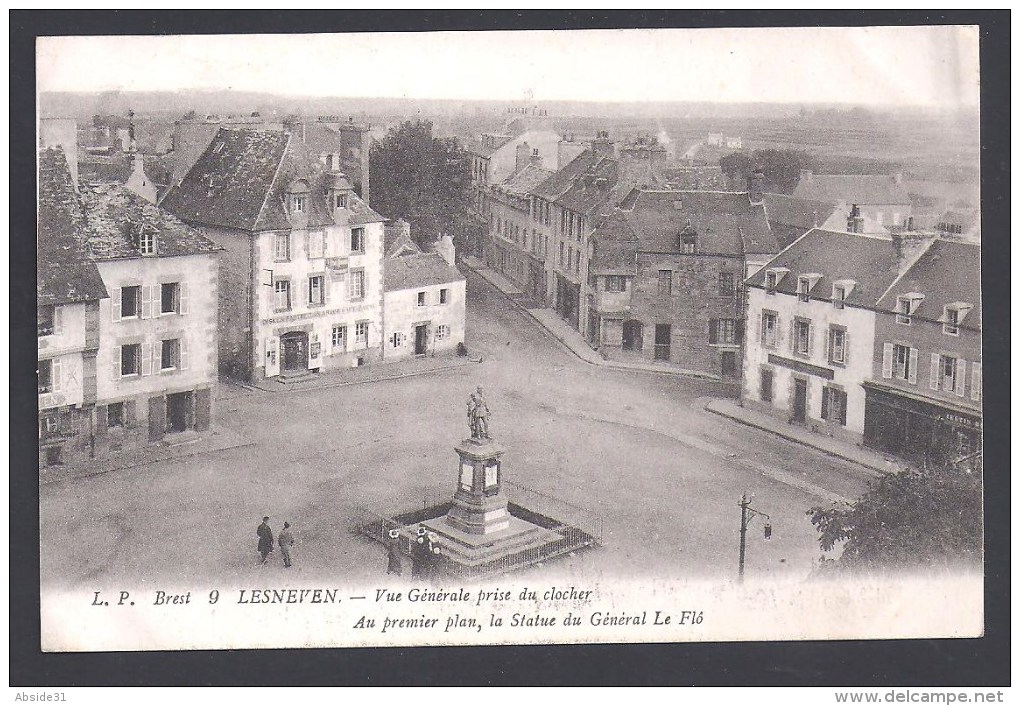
{"type": "Point", "coordinates": [748, 513]}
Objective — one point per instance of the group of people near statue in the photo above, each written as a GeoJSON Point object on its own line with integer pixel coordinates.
{"type": "Point", "coordinates": [266, 545]}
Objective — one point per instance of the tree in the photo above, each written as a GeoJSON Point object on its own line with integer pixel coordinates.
{"type": "Point", "coordinates": [915, 519]}
{"type": "Point", "coordinates": [736, 166]}
{"type": "Point", "coordinates": [782, 168]}
{"type": "Point", "coordinates": [423, 179]}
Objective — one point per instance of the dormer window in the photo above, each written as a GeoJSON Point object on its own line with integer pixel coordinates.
{"type": "Point", "coordinates": [297, 196]}
{"type": "Point", "coordinates": [688, 239]}
{"type": "Point", "coordinates": [841, 289]}
{"type": "Point", "coordinates": [952, 316]}
{"type": "Point", "coordinates": [773, 276]}
{"type": "Point", "coordinates": [906, 305]}
{"type": "Point", "coordinates": [341, 201]}
{"type": "Point", "coordinates": [804, 285]}
{"type": "Point", "coordinates": [297, 204]}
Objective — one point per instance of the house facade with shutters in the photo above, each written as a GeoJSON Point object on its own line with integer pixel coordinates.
{"type": "Point", "coordinates": [811, 314]}
{"type": "Point", "coordinates": [665, 274]}
{"type": "Point", "coordinates": [301, 275]}
{"type": "Point", "coordinates": [924, 401]}
{"type": "Point", "coordinates": [69, 292]}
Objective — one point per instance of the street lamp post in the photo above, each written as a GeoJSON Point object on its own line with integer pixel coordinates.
{"type": "Point", "coordinates": [748, 513]}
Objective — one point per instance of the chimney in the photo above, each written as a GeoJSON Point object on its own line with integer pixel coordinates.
{"type": "Point", "coordinates": [444, 246]}
{"type": "Point", "coordinates": [756, 187]}
{"type": "Point", "coordinates": [602, 146]}
{"type": "Point", "coordinates": [855, 221]}
{"type": "Point", "coordinates": [805, 175]}
{"type": "Point", "coordinates": [523, 156]}
{"type": "Point", "coordinates": [536, 158]}
{"type": "Point", "coordinates": [566, 151]}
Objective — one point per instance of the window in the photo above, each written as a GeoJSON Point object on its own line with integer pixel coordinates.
{"type": "Point", "coordinates": [802, 337]}
{"type": "Point", "coordinates": [771, 282]}
{"type": "Point", "coordinates": [726, 284]}
{"type": "Point", "coordinates": [723, 331]}
{"type": "Point", "coordinates": [130, 302]}
{"type": "Point", "coordinates": [947, 373]}
{"type": "Point", "coordinates": [444, 296]}
{"type": "Point", "coordinates": [665, 282]}
{"type": "Point", "coordinates": [688, 242]}
{"type": "Point", "coordinates": [46, 316]}
{"type": "Point", "coordinates": [339, 338]}
{"type": "Point", "coordinates": [316, 289]}
{"type": "Point", "coordinates": [834, 405]}
{"type": "Point", "coordinates": [397, 340]}
{"type": "Point", "coordinates": [804, 289]}
{"type": "Point", "coordinates": [422, 299]}
{"type": "Point", "coordinates": [616, 283]}
{"type": "Point", "coordinates": [903, 311]}
{"type": "Point", "coordinates": [281, 293]}
{"type": "Point", "coordinates": [282, 250]}
{"type": "Point", "coordinates": [170, 354]}
{"type": "Point", "coordinates": [442, 332]}
{"type": "Point", "coordinates": [357, 284]}
{"type": "Point", "coordinates": [769, 328]}
{"type": "Point", "coordinates": [115, 414]}
{"type": "Point", "coordinates": [357, 241]}
{"type": "Point", "coordinates": [298, 204]}
{"type": "Point", "coordinates": [169, 298]}
{"type": "Point", "coordinates": [45, 376]}
{"type": "Point", "coordinates": [147, 241]}
{"type": "Point", "coordinates": [837, 345]}
{"type": "Point", "coordinates": [951, 322]}
{"type": "Point", "coordinates": [341, 201]}
{"type": "Point", "coordinates": [361, 332]}
{"type": "Point", "coordinates": [901, 362]}
{"type": "Point", "coordinates": [766, 385]}
{"type": "Point", "coordinates": [838, 295]}
{"type": "Point", "coordinates": [131, 359]}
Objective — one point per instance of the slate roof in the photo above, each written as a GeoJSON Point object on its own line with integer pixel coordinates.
{"type": "Point", "coordinates": [867, 259]}
{"type": "Point", "coordinates": [948, 271]}
{"type": "Point", "coordinates": [559, 182]}
{"type": "Point", "coordinates": [115, 215]}
{"type": "Point", "coordinates": [240, 181]}
{"type": "Point", "coordinates": [791, 217]}
{"type": "Point", "coordinates": [861, 189]}
{"type": "Point", "coordinates": [594, 187]}
{"type": "Point", "coordinates": [420, 270]}
{"type": "Point", "coordinates": [478, 147]}
{"type": "Point", "coordinates": [523, 181]}
{"type": "Point", "coordinates": [64, 274]}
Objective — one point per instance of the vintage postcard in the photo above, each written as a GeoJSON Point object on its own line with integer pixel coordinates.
{"type": "Point", "coordinates": [512, 337]}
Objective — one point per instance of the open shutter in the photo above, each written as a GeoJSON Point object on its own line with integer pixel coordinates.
{"type": "Point", "coordinates": [146, 302]}
{"type": "Point", "coordinates": [115, 303]}
{"type": "Point", "coordinates": [739, 331]}
{"type": "Point", "coordinates": [810, 339]}
{"type": "Point", "coordinates": [314, 351]}
{"type": "Point", "coordinates": [846, 348]}
{"type": "Point", "coordinates": [760, 320]}
{"type": "Point", "coordinates": [116, 363]}
{"type": "Point", "coordinates": [146, 359]}
{"type": "Point", "coordinates": [842, 408]}
{"type": "Point", "coordinates": [272, 359]}
{"type": "Point", "coordinates": [975, 381]}
{"type": "Point", "coordinates": [887, 353]}
{"type": "Point", "coordinates": [826, 394]}
{"type": "Point", "coordinates": [58, 320]}
{"type": "Point", "coordinates": [713, 330]}
{"type": "Point", "coordinates": [183, 343]}
{"type": "Point", "coordinates": [183, 305]}
{"type": "Point", "coordinates": [55, 375]}
{"type": "Point", "coordinates": [913, 367]}
{"type": "Point", "coordinates": [933, 383]}
{"type": "Point", "coordinates": [961, 376]}
{"type": "Point", "coordinates": [130, 413]}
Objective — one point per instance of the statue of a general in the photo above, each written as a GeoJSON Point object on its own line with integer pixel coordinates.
{"type": "Point", "coordinates": [478, 415]}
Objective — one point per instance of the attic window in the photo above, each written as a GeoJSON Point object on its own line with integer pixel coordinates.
{"type": "Point", "coordinates": [773, 276]}
{"type": "Point", "coordinates": [297, 204]}
{"type": "Point", "coordinates": [805, 283]}
{"type": "Point", "coordinates": [952, 316]}
{"type": "Point", "coordinates": [841, 289]}
{"type": "Point", "coordinates": [147, 241]}
{"type": "Point", "coordinates": [906, 305]}
{"type": "Point", "coordinates": [341, 200]}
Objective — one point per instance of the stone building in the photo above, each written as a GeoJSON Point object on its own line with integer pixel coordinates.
{"type": "Point", "coordinates": [301, 275]}
{"type": "Point", "coordinates": [665, 277]}
{"type": "Point", "coordinates": [424, 300]}
{"type": "Point", "coordinates": [923, 401]}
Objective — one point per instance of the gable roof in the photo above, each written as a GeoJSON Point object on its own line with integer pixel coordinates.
{"type": "Point", "coordinates": [240, 181]}
{"type": "Point", "coordinates": [948, 271]}
{"type": "Point", "coordinates": [64, 273]}
{"type": "Point", "coordinates": [557, 183]}
{"type": "Point", "coordinates": [860, 189]}
{"type": "Point", "coordinates": [523, 181]}
{"type": "Point", "coordinates": [419, 270]}
{"type": "Point", "coordinates": [790, 217]}
{"type": "Point", "coordinates": [869, 260]}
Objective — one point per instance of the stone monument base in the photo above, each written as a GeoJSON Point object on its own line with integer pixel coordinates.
{"type": "Point", "coordinates": [473, 549]}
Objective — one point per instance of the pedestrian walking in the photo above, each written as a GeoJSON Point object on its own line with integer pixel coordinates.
{"type": "Point", "coordinates": [286, 542]}
{"type": "Point", "coordinates": [394, 563]}
{"type": "Point", "coordinates": [265, 539]}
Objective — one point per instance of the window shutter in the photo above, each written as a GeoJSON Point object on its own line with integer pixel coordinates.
{"type": "Point", "coordinates": [935, 372]}
{"type": "Point", "coordinates": [115, 304]}
{"type": "Point", "coordinates": [913, 366]}
{"type": "Point", "coordinates": [146, 302]}
{"type": "Point", "coordinates": [183, 343]}
{"type": "Point", "coordinates": [810, 339]}
{"type": "Point", "coordinates": [713, 330]}
{"type": "Point", "coordinates": [58, 320]}
{"type": "Point", "coordinates": [116, 363]}
{"type": "Point", "coordinates": [846, 351]}
{"type": "Point", "coordinates": [842, 408]}
{"type": "Point", "coordinates": [961, 376]}
{"type": "Point", "coordinates": [793, 336]}
{"type": "Point", "coordinates": [182, 298]}
{"type": "Point", "coordinates": [975, 381]}
{"type": "Point", "coordinates": [739, 331]}
{"type": "Point", "coordinates": [761, 327]}
{"type": "Point", "coordinates": [887, 353]}
{"type": "Point", "coordinates": [308, 243]}
{"type": "Point", "coordinates": [146, 359]}
{"type": "Point", "coordinates": [55, 374]}
{"type": "Point", "coordinates": [826, 392]}
{"type": "Point", "coordinates": [325, 289]}
{"type": "Point", "coordinates": [130, 413]}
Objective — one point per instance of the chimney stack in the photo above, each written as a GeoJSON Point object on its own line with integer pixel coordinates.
{"type": "Point", "coordinates": [444, 246]}
{"type": "Point", "coordinates": [855, 221]}
{"type": "Point", "coordinates": [602, 146]}
{"type": "Point", "coordinates": [756, 187]}
{"type": "Point", "coordinates": [536, 158]}
{"type": "Point", "coordinates": [523, 156]}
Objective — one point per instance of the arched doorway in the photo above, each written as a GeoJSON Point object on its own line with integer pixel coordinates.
{"type": "Point", "coordinates": [294, 346]}
{"type": "Point", "coordinates": [632, 335]}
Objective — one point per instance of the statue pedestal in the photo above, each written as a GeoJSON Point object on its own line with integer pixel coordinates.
{"type": "Point", "coordinates": [479, 504]}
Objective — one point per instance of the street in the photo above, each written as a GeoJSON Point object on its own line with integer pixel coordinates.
{"type": "Point", "coordinates": [665, 475]}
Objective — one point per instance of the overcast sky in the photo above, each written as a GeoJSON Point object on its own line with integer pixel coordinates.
{"type": "Point", "coordinates": [896, 66]}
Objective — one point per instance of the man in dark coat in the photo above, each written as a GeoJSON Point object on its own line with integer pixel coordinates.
{"type": "Point", "coordinates": [265, 539]}
{"type": "Point", "coordinates": [394, 564]}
